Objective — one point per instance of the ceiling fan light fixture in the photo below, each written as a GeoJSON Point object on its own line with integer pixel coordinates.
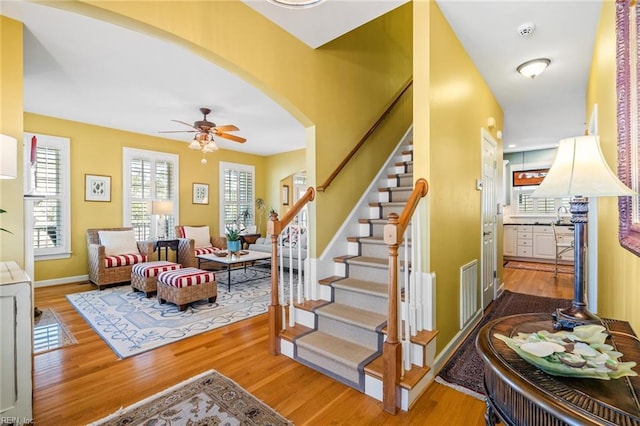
{"type": "Point", "coordinates": [533, 68]}
{"type": "Point", "coordinates": [194, 144]}
{"type": "Point", "coordinates": [296, 4]}
{"type": "Point", "coordinates": [210, 147]}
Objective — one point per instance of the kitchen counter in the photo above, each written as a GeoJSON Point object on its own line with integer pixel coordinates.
{"type": "Point", "coordinates": [537, 222]}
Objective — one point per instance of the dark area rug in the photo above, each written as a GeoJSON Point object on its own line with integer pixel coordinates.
{"type": "Point", "coordinates": [544, 267]}
{"type": "Point", "coordinates": [465, 370]}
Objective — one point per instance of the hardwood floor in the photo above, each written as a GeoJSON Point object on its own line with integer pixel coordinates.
{"type": "Point", "coordinates": [79, 384]}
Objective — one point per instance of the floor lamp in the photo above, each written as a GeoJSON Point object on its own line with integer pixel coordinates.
{"type": "Point", "coordinates": [579, 171]}
{"type": "Point", "coordinates": [162, 208]}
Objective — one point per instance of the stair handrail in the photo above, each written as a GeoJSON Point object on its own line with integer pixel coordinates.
{"type": "Point", "coordinates": [392, 348]}
{"type": "Point", "coordinates": [362, 140]}
{"type": "Point", "coordinates": [274, 228]}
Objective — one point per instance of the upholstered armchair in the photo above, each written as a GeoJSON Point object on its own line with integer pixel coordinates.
{"type": "Point", "coordinates": [196, 240]}
{"type": "Point", "coordinates": [112, 252]}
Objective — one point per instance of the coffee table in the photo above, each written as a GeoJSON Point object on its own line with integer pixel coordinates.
{"type": "Point", "coordinates": [242, 258]}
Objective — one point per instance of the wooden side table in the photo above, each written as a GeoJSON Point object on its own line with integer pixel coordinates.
{"type": "Point", "coordinates": [246, 239]}
{"type": "Point", "coordinates": [166, 245]}
{"type": "Point", "coordinates": [519, 393]}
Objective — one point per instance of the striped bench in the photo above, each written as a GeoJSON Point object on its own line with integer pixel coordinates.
{"type": "Point", "coordinates": [186, 285]}
{"type": "Point", "coordinates": [144, 276]}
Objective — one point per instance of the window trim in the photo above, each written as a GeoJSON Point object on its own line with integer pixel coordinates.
{"type": "Point", "coordinates": [64, 145]}
{"type": "Point", "coordinates": [127, 155]}
{"type": "Point", "coordinates": [235, 166]}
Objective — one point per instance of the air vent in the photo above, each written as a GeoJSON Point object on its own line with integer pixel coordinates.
{"type": "Point", "coordinates": [526, 29]}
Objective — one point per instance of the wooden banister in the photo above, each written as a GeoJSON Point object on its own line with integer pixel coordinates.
{"type": "Point", "coordinates": [392, 348]}
{"type": "Point", "coordinates": [361, 142]}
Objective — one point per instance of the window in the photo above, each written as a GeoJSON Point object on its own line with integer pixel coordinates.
{"type": "Point", "coordinates": [237, 194]}
{"type": "Point", "coordinates": [47, 168]}
{"type": "Point", "coordinates": [537, 206]}
{"type": "Point", "coordinates": [149, 176]}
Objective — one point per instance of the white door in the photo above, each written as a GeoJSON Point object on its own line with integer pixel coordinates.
{"type": "Point", "coordinates": [489, 264]}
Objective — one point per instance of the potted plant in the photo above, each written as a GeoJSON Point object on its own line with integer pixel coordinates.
{"type": "Point", "coordinates": [244, 217]}
{"type": "Point", "coordinates": [233, 239]}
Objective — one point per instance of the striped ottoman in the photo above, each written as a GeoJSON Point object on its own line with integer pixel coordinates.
{"type": "Point", "coordinates": [144, 276]}
{"type": "Point", "coordinates": [186, 285]}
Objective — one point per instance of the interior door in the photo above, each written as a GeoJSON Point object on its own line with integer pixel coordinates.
{"type": "Point", "coordinates": [489, 264]}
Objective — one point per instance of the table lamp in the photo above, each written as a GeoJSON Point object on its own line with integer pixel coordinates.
{"type": "Point", "coordinates": [162, 208]}
{"type": "Point", "coordinates": [579, 171]}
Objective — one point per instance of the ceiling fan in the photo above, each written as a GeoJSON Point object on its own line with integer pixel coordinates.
{"type": "Point", "coordinates": [205, 130]}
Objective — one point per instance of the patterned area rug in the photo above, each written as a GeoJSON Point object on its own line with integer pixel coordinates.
{"type": "Point", "coordinates": [545, 267]}
{"type": "Point", "coordinates": [130, 323]}
{"type": "Point", "coordinates": [50, 333]}
{"type": "Point", "coordinates": [465, 370]}
{"type": "Point", "coordinates": [207, 399]}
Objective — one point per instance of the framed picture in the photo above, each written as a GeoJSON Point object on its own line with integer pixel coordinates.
{"type": "Point", "coordinates": [97, 188]}
{"type": "Point", "coordinates": [529, 177]}
{"type": "Point", "coordinates": [285, 195]}
{"type": "Point", "coordinates": [200, 193]}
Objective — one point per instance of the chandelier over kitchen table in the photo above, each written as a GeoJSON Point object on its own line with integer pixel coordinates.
{"type": "Point", "coordinates": [205, 131]}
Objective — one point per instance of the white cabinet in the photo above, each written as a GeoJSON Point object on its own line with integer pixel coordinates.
{"type": "Point", "coordinates": [535, 242]}
{"type": "Point", "coordinates": [16, 335]}
{"type": "Point", "coordinates": [544, 243]}
{"type": "Point", "coordinates": [509, 240]}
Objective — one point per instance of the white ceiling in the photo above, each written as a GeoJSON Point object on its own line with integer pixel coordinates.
{"type": "Point", "coordinates": [85, 70]}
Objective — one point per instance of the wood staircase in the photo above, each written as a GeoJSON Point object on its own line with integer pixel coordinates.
{"type": "Point", "coordinates": [343, 337]}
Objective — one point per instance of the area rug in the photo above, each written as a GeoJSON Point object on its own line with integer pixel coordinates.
{"type": "Point", "coordinates": [465, 370]}
{"type": "Point", "coordinates": [131, 324]}
{"type": "Point", "coordinates": [545, 267]}
{"type": "Point", "coordinates": [207, 399]}
{"type": "Point", "coordinates": [50, 333]}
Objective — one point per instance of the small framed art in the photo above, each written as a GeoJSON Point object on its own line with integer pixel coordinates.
{"type": "Point", "coordinates": [285, 195]}
{"type": "Point", "coordinates": [200, 193]}
{"type": "Point", "coordinates": [97, 188]}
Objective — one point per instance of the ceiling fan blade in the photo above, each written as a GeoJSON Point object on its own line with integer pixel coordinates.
{"type": "Point", "coordinates": [177, 131]}
{"type": "Point", "coordinates": [226, 128]}
{"type": "Point", "coordinates": [232, 137]}
{"type": "Point", "coordinates": [185, 123]}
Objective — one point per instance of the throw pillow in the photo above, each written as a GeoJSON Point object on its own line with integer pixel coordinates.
{"type": "Point", "coordinates": [118, 242]}
{"type": "Point", "coordinates": [199, 235]}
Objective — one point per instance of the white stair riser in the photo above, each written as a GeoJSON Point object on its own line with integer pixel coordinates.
{"type": "Point", "coordinates": [402, 181]}
{"type": "Point", "coordinates": [382, 212]}
{"type": "Point", "coordinates": [366, 273]}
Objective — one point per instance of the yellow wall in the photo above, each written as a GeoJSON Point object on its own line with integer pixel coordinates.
{"type": "Point", "coordinates": [618, 268]}
{"type": "Point", "coordinates": [11, 106]}
{"type": "Point", "coordinates": [341, 88]}
{"type": "Point", "coordinates": [98, 150]}
{"type": "Point", "coordinates": [460, 103]}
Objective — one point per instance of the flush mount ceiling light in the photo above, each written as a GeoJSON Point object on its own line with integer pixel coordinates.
{"type": "Point", "coordinates": [296, 4]}
{"type": "Point", "coordinates": [533, 68]}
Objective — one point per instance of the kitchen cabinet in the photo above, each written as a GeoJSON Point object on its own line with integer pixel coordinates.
{"type": "Point", "coordinates": [16, 334]}
{"type": "Point", "coordinates": [510, 245]}
{"type": "Point", "coordinates": [544, 242]}
{"type": "Point", "coordinates": [535, 242]}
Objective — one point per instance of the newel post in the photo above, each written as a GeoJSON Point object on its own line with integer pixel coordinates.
{"type": "Point", "coordinates": [392, 349]}
{"type": "Point", "coordinates": [275, 313]}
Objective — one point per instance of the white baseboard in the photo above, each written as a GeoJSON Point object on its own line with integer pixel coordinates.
{"type": "Point", "coordinates": [59, 281]}
{"type": "Point", "coordinates": [453, 344]}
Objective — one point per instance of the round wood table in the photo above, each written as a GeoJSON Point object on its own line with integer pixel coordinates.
{"type": "Point", "coordinates": [518, 393]}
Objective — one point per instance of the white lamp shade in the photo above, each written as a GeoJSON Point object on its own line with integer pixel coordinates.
{"type": "Point", "coordinates": [161, 207]}
{"type": "Point", "coordinates": [8, 157]}
{"type": "Point", "coordinates": [580, 170]}
{"type": "Point", "coordinates": [194, 144]}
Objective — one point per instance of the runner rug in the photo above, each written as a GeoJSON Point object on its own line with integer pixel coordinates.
{"type": "Point", "coordinates": [465, 370]}
{"type": "Point", "coordinates": [131, 324]}
{"type": "Point", "coordinates": [207, 399]}
{"type": "Point", "coordinates": [545, 267]}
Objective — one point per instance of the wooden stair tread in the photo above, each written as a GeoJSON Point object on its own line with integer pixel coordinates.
{"type": "Point", "coordinates": [395, 188]}
{"type": "Point", "coordinates": [423, 337]}
{"type": "Point", "coordinates": [310, 305]}
{"type": "Point", "coordinates": [331, 279]}
{"type": "Point", "coordinates": [292, 332]}
{"type": "Point", "coordinates": [399, 175]}
{"type": "Point", "coordinates": [387, 203]}
{"type": "Point", "coordinates": [403, 163]}
{"type": "Point", "coordinates": [408, 381]}
{"type": "Point", "coordinates": [343, 259]}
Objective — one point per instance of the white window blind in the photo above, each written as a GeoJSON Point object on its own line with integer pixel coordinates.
{"type": "Point", "coordinates": [47, 178]}
{"type": "Point", "coordinates": [538, 206]}
{"type": "Point", "coordinates": [149, 176]}
{"type": "Point", "coordinates": [237, 194]}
